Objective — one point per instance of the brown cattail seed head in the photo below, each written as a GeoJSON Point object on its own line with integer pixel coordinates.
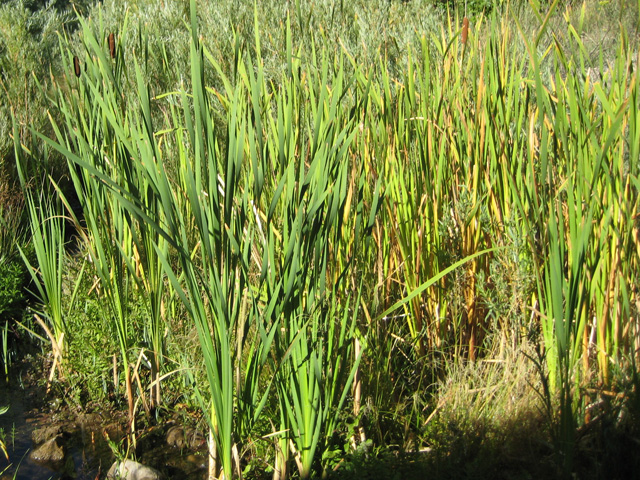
{"type": "Point", "coordinates": [465, 29]}
{"type": "Point", "coordinates": [112, 45]}
{"type": "Point", "coordinates": [76, 66]}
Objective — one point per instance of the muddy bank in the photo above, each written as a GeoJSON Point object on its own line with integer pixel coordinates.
{"type": "Point", "coordinates": [47, 440]}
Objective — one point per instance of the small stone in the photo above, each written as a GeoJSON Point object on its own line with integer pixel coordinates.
{"type": "Point", "coordinates": [44, 434]}
{"type": "Point", "coordinates": [48, 452]}
{"type": "Point", "coordinates": [193, 438]}
{"type": "Point", "coordinates": [130, 470]}
{"type": "Point", "coordinates": [175, 437]}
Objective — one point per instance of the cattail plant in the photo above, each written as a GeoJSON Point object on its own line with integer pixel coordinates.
{"type": "Point", "coordinates": [305, 212]}
{"type": "Point", "coordinates": [465, 30]}
{"type": "Point", "coordinates": [93, 156]}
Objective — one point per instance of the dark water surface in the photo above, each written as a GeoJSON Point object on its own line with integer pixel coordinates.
{"type": "Point", "coordinates": [86, 457]}
{"type": "Point", "coordinates": [87, 454]}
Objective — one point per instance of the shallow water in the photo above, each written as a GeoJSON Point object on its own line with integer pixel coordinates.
{"type": "Point", "coordinates": [15, 431]}
{"type": "Point", "coordinates": [87, 454]}
{"type": "Point", "coordinates": [84, 460]}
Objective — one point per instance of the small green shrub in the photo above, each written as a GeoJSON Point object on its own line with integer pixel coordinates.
{"type": "Point", "coordinates": [91, 338]}
{"type": "Point", "coordinates": [12, 278]}
{"type": "Point", "coordinates": [12, 233]}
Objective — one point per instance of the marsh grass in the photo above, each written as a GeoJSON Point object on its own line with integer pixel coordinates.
{"type": "Point", "coordinates": [495, 402]}
{"type": "Point", "coordinates": [48, 242]}
{"type": "Point", "coordinates": [332, 206]}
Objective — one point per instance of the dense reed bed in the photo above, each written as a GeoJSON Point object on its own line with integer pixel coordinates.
{"type": "Point", "coordinates": [342, 233]}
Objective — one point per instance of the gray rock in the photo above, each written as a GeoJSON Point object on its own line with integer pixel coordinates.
{"type": "Point", "coordinates": [49, 452]}
{"type": "Point", "coordinates": [130, 470]}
